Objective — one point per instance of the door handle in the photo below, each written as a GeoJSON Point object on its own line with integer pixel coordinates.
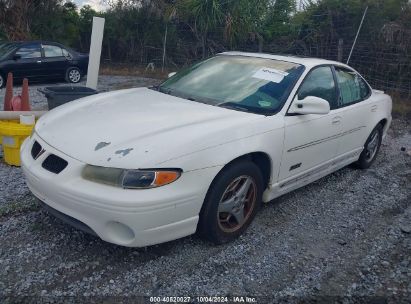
{"type": "Point", "coordinates": [38, 61]}
{"type": "Point", "coordinates": [336, 120]}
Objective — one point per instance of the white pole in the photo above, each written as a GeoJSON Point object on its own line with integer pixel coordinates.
{"type": "Point", "coordinates": [95, 52]}
{"type": "Point", "coordinates": [358, 32]}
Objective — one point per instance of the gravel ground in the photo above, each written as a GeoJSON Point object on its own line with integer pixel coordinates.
{"type": "Point", "coordinates": [345, 238]}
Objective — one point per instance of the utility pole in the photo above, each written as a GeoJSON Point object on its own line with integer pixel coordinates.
{"type": "Point", "coordinates": [164, 47]}
{"type": "Point", "coordinates": [358, 33]}
{"type": "Point", "coordinates": [340, 50]}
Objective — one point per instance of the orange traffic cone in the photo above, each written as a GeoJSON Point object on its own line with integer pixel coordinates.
{"type": "Point", "coordinates": [9, 93]}
{"type": "Point", "coordinates": [16, 103]}
{"type": "Point", "coordinates": [25, 103]}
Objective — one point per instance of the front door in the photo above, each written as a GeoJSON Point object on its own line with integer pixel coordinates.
{"type": "Point", "coordinates": [312, 140]}
{"type": "Point", "coordinates": [29, 63]}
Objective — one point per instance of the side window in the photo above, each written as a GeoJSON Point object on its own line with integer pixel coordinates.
{"type": "Point", "coordinates": [320, 83]}
{"type": "Point", "coordinates": [52, 51]}
{"type": "Point", "coordinates": [29, 51]}
{"type": "Point", "coordinates": [352, 87]}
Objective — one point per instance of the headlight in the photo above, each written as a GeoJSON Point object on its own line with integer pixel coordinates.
{"type": "Point", "coordinates": [131, 179]}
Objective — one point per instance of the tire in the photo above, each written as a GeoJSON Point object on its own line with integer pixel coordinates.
{"type": "Point", "coordinates": [73, 75]}
{"type": "Point", "coordinates": [371, 148]}
{"type": "Point", "coordinates": [221, 226]}
{"type": "Point", "coordinates": [2, 81]}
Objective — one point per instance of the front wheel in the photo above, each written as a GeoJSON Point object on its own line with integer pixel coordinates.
{"type": "Point", "coordinates": [231, 202]}
{"type": "Point", "coordinates": [73, 75]}
{"type": "Point", "coordinates": [371, 148]}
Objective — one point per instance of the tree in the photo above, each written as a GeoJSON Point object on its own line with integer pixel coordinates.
{"type": "Point", "coordinates": [244, 19]}
{"type": "Point", "coordinates": [278, 22]}
{"type": "Point", "coordinates": [85, 25]}
{"type": "Point", "coordinates": [206, 15]}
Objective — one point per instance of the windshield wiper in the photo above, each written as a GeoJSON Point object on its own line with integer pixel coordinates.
{"type": "Point", "coordinates": [176, 93]}
{"type": "Point", "coordinates": [234, 106]}
{"type": "Point", "coordinates": [165, 91]}
{"type": "Point", "coordinates": [179, 94]}
{"type": "Point", "coordinates": [204, 100]}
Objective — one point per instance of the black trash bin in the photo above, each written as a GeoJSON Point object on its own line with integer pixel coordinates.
{"type": "Point", "coordinates": [56, 96]}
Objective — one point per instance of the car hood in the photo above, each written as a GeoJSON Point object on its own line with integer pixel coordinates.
{"type": "Point", "coordinates": [140, 128]}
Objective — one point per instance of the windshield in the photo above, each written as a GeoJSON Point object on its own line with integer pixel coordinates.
{"type": "Point", "coordinates": [241, 83]}
{"type": "Point", "coordinates": [6, 48]}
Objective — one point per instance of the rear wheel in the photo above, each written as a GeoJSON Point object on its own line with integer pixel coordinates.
{"type": "Point", "coordinates": [231, 202]}
{"type": "Point", "coordinates": [371, 148]}
{"type": "Point", "coordinates": [73, 75]}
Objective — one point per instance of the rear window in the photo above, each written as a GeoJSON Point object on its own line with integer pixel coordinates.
{"type": "Point", "coordinates": [52, 51]}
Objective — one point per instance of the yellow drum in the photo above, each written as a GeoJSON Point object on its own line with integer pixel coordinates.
{"type": "Point", "coordinates": [13, 134]}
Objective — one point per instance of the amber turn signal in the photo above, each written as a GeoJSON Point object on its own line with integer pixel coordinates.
{"type": "Point", "coordinates": [165, 177]}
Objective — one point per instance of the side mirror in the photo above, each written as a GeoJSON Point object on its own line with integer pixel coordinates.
{"type": "Point", "coordinates": [171, 74]}
{"type": "Point", "coordinates": [310, 105]}
{"type": "Point", "coordinates": [16, 57]}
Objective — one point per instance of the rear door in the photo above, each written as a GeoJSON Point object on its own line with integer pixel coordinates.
{"type": "Point", "coordinates": [29, 63]}
{"type": "Point", "coordinates": [54, 60]}
{"type": "Point", "coordinates": [356, 111]}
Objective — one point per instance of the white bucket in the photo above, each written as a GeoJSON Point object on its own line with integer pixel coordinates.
{"type": "Point", "coordinates": [28, 120]}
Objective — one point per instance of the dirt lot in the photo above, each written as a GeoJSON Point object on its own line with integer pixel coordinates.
{"type": "Point", "coordinates": [344, 238]}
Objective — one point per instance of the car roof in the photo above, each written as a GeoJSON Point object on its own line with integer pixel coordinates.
{"type": "Point", "coordinates": [36, 41]}
{"type": "Point", "coordinates": [33, 41]}
{"type": "Point", "coordinates": [306, 61]}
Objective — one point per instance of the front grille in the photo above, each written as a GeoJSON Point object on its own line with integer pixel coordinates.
{"type": "Point", "coordinates": [54, 164]}
{"type": "Point", "coordinates": [35, 150]}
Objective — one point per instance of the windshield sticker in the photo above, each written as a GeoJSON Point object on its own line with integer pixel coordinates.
{"type": "Point", "coordinates": [264, 103]}
{"type": "Point", "coordinates": [269, 74]}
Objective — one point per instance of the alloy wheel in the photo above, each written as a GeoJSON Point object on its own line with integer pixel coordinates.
{"type": "Point", "coordinates": [237, 204]}
{"type": "Point", "coordinates": [372, 146]}
{"type": "Point", "coordinates": [74, 76]}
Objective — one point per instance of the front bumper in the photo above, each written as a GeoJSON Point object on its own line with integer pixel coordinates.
{"type": "Point", "coordinates": [132, 218]}
{"type": "Point", "coordinates": [68, 219]}
{"type": "Point", "coordinates": [387, 127]}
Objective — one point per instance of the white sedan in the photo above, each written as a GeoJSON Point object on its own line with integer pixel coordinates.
{"type": "Point", "coordinates": [203, 150]}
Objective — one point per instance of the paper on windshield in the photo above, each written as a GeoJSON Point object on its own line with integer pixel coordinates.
{"type": "Point", "coordinates": [269, 74]}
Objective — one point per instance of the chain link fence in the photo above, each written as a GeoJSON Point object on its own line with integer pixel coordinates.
{"type": "Point", "coordinates": [385, 62]}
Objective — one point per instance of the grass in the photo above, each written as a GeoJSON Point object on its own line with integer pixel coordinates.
{"type": "Point", "coordinates": [401, 106]}
{"type": "Point", "coordinates": [126, 70]}
{"type": "Point", "coordinates": [36, 226]}
{"type": "Point", "coordinates": [18, 207]}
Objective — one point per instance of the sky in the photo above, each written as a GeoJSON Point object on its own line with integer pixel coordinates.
{"type": "Point", "coordinates": [96, 4]}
